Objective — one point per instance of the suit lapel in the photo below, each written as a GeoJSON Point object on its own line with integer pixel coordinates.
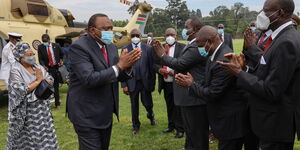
{"type": "Point", "coordinates": [95, 47]}
{"type": "Point", "coordinates": [274, 40]}
{"type": "Point", "coordinates": [109, 55]}
{"type": "Point", "coordinates": [177, 50]}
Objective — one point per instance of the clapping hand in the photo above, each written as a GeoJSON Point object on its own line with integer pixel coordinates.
{"type": "Point", "coordinates": [184, 80]}
{"type": "Point", "coordinates": [128, 59]}
{"type": "Point", "coordinates": [250, 38]}
{"type": "Point", "coordinates": [159, 49]}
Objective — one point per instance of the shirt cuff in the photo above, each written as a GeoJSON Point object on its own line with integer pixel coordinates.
{"type": "Point", "coordinates": [116, 70]}
{"type": "Point", "coordinates": [247, 69]}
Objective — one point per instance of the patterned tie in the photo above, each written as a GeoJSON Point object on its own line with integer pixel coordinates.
{"type": "Point", "coordinates": [50, 57]}
{"type": "Point", "coordinates": [269, 41]}
{"type": "Point", "coordinates": [104, 54]}
{"type": "Point", "coordinates": [165, 67]}
{"type": "Point", "coordinates": [261, 40]}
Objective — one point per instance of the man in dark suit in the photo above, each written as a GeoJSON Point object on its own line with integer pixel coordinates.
{"type": "Point", "coordinates": [51, 56]}
{"type": "Point", "coordinates": [225, 37]}
{"type": "Point", "coordinates": [165, 82]}
{"type": "Point", "coordinates": [93, 96]}
{"type": "Point", "coordinates": [273, 86]}
{"type": "Point", "coordinates": [193, 109]}
{"type": "Point", "coordinates": [227, 111]}
{"type": "Point", "coordinates": [143, 82]}
{"type": "Point", "coordinates": [150, 39]}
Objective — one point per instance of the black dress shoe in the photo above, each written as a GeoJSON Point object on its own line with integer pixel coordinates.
{"type": "Point", "coordinates": [135, 131]}
{"type": "Point", "coordinates": [168, 130]}
{"type": "Point", "coordinates": [179, 135]}
{"type": "Point", "coordinates": [153, 122]}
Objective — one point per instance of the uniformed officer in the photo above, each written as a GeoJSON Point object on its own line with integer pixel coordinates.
{"type": "Point", "coordinates": [8, 57]}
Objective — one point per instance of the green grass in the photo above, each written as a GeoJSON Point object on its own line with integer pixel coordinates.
{"type": "Point", "coordinates": [149, 138]}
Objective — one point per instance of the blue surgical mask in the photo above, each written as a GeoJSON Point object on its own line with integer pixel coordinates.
{"type": "Point", "coordinates": [253, 29]}
{"type": "Point", "coordinates": [184, 34]}
{"type": "Point", "coordinates": [46, 44]}
{"type": "Point", "coordinates": [221, 31]}
{"type": "Point", "coordinates": [107, 37]}
{"type": "Point", "coordinates": [202, 51]}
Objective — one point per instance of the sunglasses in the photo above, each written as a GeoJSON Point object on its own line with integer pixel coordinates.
{"type": "Point", "coordinates": [135, 35]}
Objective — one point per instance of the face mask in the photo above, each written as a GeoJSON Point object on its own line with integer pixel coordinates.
{"type": "Point", "coordinates": [30, 60]}
{"type": "Point", "coordinates": [253, 29]}
{"type": "Point", "coordinates": [135, 40]}
{"type": "Point", "coordinates": [202, 51]}
{"type": "Point", "coordinates": [46, 44]}
{"type": "Point", "coordinates": [149, 38]}
{"type": "Point", "coordinates": [106, 37]}
{"type": "Point", "coordinates": [170, 40]}
{"type": "Point", "coordinates": [221, 31]}
{"type": "Point", "coordinates": [184, 34]}
{"type": "Point", "coordinates": [263, 22]}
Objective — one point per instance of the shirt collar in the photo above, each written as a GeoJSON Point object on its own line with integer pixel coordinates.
{"type": "Point", "coordinates": [192, 41]}
{"type": "Point", "coordinates": [278, 30]}
{"type": "Point", "coordinates": [139, 45]}
{"type": "Point", "coordinates": [214, 54]}
{"type": "Point", "coordinates": [99, 45]}
{"type": "Point", "coordinates": [269, 32]}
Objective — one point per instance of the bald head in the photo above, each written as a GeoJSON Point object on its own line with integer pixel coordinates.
{"type": "Point", "coordinates": [135, 32]}
{"type": "Point", "coordinates": [206, 33]}
{"type": "Point", "coordinates": [208, 38]}
{"type": "Point", "coordinates": [171, 32]}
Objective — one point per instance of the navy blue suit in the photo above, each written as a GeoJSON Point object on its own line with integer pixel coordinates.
{"type": "Point", "coordinates": [142, 83]}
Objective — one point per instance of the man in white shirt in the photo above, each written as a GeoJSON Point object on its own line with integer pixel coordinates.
{"type": "Point", "coordinates": [7, 56]}
{"type": "Point", "coordinates": [166, 80]}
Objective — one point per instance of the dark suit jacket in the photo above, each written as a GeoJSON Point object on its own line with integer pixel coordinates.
{"type": "Point", "coordinates": [146, 68]}
{"type": "Point", "coordinates": [93, 91]}
{"type": "Point", "coordinates": [226, 106]}
{"type": "Point", "coordinates": [274, 89]}
{"type": "Point", "coordinates": [228, 40]}
{"type": "Point", "coordinates": [43, 54]}
{"type": "Point", "coordinates": [157, 65]}
{"type": "Point", "coordinates": [189, 61]}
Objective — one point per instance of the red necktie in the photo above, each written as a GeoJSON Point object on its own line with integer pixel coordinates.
{"type": "Point", "coordinates": [269, 41]}
{"type": "Point", "coordinates": [165, 67]}
{"type": "Point", "coordinates": [261, 40]}
{"type": "Point", "coordinates": [149, 43]}
{"type": "Point", "coordinates": [50, 57]}
{"type": "Point", "coordinates": [104, 54]}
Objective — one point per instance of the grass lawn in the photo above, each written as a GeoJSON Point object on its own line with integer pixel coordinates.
{"type": "Point", "coordinates": [149, 138]}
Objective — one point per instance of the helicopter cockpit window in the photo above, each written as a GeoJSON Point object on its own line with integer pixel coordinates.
{"type": "Point", "coordinates": [40, 10]}
{"type": "Point", "coordinates": [118, 35]}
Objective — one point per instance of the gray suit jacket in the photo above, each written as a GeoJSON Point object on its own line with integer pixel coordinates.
{"type": "Point", "coordinates": [189, 61]}
{"type": "Point", "coordinates": [93, 92]}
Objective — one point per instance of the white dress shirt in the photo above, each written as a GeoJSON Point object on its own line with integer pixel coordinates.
{"type": "Point", "coordinates": [114, 67]}
{"type": "Point", "coordinates": [214, 54]}
{"type": "Point", "coordinates": [52, 53]}
{"type": "Point", "coordinates": [7, 60]}
{"type": "Point", "coordinates": [138, 45]}
{"type": "Point", "coordinates": [278, 30]}
{"type": "Point", "coordinates": [171, 54]}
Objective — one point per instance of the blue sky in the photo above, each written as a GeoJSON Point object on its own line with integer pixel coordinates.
{"type": "Point", "coordinates": [83, 9]}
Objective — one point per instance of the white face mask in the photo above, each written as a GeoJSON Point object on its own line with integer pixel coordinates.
{"type": "Point", "coordinates": [149, 38]}
{"type": "Point", "coordinates": [135, 40]}
{"type": "Point", "coordinates": [170, 40]}
{"type": "Point", "coordinates": [263, 21]}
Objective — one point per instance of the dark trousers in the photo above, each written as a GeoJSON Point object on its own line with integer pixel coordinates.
{"type": "Point", "coordinates": [235, 144]}
{"type": "Point", "coordinates": [196, 127]}
{"type": "Point", "coordinates": [93, 139]}
{"type": "Point", "coordinates": [173, 111]}
{"type": "Point", "coordinates": [266, 145]}
{"type": "Point", "coordinates": [55, 74]}
{"type": "Point", "coordinates": [146, 98]}
{"type": "Point", "coordinates": [251, 141]}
